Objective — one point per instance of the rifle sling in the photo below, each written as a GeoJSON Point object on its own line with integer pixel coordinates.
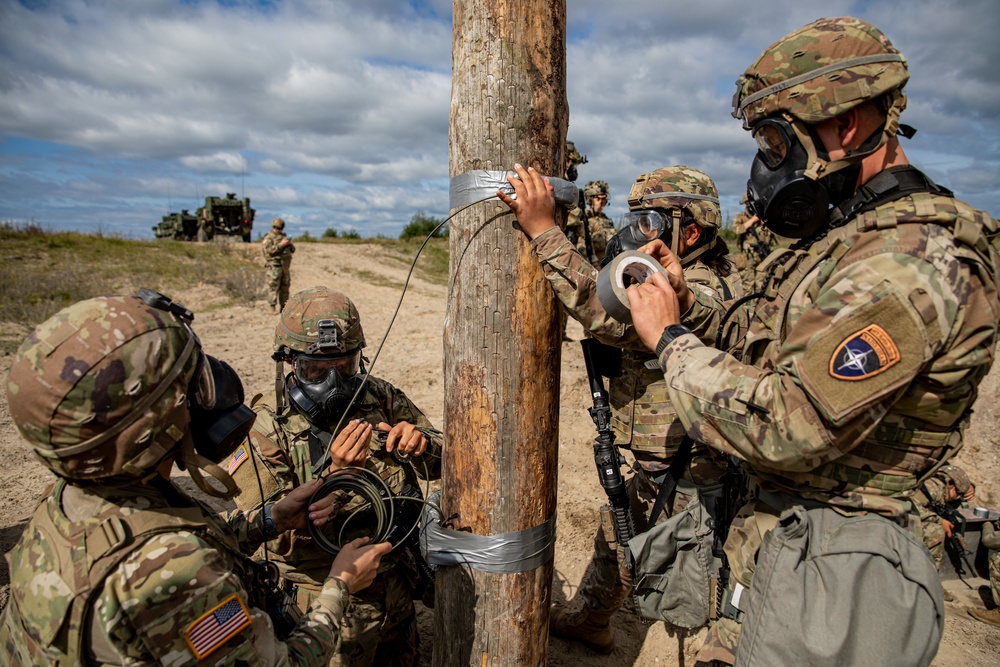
{"type": "Point", "coordinates": [674, 472]}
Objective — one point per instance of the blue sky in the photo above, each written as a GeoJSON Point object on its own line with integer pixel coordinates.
{"type": "Point", "coordinates": [335, 113]}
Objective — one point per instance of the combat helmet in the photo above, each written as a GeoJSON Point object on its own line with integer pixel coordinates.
{"type": "Point", "coordinates": [318, 321]}
{"type": "Point", "coordinates": [821, 71]}
{"type": "Point", "coordinates": [99, 389]}
{"type": "Point", "coordinates": [678, 188]}
{"type": "Point", "coordinates": [595, 189]}
{"type": "Point", "coordinates": [813, 74]}
{"type": "Point", "coordinates": [278, 223]}
{"type": "Point", "coordinates": [958, 477]}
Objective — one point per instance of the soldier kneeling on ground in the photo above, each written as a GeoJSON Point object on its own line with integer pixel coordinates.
{"type": "Point", "coordinates": [118, 565]}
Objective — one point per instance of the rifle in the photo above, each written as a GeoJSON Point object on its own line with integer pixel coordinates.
{"type": "Point", "coordinates": [957, 550]}
{"type": "Point", "coordinates": [733, 485]}
{"type": "Point", "coordinates": [587, 241]}
{"type": "Point", "coordinates": [760, 246]}
{"type": "Point", "coordinates": [606, 455]}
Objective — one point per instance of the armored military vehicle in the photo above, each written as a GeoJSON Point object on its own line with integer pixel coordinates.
{"type": "Point", "coordinates": [227, 216]}
{"type": "Point", "coordinates": [177, 226]}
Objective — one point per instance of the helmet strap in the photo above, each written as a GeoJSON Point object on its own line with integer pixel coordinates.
{"type": "Point", "coordinates": [194, 463]}
{"type": "Point", "coordinates": [817, 167]}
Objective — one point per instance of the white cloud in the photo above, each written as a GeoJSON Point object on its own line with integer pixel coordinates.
{"type": "Point", "coordinates": [339, 109]}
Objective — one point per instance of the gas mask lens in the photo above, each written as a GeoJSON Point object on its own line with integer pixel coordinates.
{"type": "Point", "coordinates": [649, 224]}
{"type": "Point", "coordinates": [315, 368]}
{"type": "Point", "coordinates": [773, 136]}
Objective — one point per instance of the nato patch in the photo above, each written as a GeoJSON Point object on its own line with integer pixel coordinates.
{"type": "Point", "coordinates": [863, 354]}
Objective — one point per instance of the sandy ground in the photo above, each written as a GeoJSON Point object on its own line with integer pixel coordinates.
{"type": "Point", "coordinates": [412, 359]}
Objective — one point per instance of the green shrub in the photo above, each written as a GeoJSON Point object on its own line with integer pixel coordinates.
{"type": "Point", "coordinates": [422, 226]}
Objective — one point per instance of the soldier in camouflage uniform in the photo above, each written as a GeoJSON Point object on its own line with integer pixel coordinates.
{"type": "Point", "coordinates": [949, 485]}
{"type": "Point", "coordinates": [598, 223]}
{"type": "Point", "coordinates": [991, 540]}
{"type": "Point", "coordinates": [318, 341]}
{"type": "Point", "coordinates": [278, 250]}
{"type": "Point", "coordinates": [685, 203]}
{"type": "Point", "coordinates": [117, 565]}
{"type": "Point", "coordinates": [755, 243]}
{"type": "Point", "coordinates": [574, 216]}
{"type": "Point", "coordinates": [858, 373]}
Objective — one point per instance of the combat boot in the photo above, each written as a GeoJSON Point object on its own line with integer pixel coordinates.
{"type": "Point", "coordinates": [991, 616]}
{"type": "Point", "coordinates": [590, 628]}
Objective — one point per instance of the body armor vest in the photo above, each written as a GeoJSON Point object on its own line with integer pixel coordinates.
{"type": "Point", "coordinates": [46, 621]}
{"type": "Point", "coordinates": [904, 449]}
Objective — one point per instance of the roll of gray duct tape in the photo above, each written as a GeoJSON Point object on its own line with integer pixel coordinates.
{"type": "Point", "coordinates": [625, 269]}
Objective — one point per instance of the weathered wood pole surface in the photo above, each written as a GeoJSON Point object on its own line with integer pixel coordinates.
{"type": "Point", "coordinates": [502, 336]}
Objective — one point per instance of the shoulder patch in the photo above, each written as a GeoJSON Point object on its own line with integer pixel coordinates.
{"type": "Point", "coordinates": [217, 626]}
{"type": "Point", "coordinates": [863, 354]}
{"type": "Point", "coordinates": [239, 458]}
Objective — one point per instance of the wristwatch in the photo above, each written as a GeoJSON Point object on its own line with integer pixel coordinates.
{"type": "Point", "coordinates": [669, 333]}
{"type": "Point", "coordinates": [270, 528]}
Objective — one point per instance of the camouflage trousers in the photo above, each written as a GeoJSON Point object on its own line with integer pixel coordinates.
{"type": "Point", "coordinates": [279, 280]}
{"type": "Point", "coordinates": [934, 537]}
{"type": "Point", "coordinates": [380, 626]}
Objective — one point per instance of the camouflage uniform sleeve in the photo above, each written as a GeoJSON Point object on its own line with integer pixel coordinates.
{"type": "Point", "coordinates": [269, 246]}
{"type": "Point", "coordinates": [155, 603]}
{"type": "Point", "coordinates": [802, 415]}
{"type": "Point", "coordinates": [991, 537]}
{"type": "Point", "coordinates": [248, 527]}
{"type": "Point", "coordinates": [574, 281]}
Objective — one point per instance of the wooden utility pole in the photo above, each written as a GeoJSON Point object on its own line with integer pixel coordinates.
{"type": "Point", "coordinates": [502, 334]}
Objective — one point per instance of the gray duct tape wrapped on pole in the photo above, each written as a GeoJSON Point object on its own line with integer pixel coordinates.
{"type": "Point", "coordinates": [479, 185]}
{"type": "Point", "coordinates": [506, 553]}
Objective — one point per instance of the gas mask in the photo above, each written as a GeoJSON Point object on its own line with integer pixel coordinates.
{"type": "Point", "coordinates": [644, 225]}
{"type": "Point", "coordinates": [322, 386]}
{"type": "Point", "coordinates": [783, 190]}
{"type": "Point", "coordinates": [219, 419]}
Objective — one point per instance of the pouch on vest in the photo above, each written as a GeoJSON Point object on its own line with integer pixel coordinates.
{"type": "Point", "coordinates": [672, 564]}
{"type": "Point", "coordinates": [833, 590]}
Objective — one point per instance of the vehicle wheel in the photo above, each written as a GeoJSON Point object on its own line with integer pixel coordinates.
{"type": "Point", "coordinates": [246, 238]}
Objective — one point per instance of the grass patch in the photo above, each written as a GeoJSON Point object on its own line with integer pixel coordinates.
{"type": "Point", "coordinates": [42, 272]}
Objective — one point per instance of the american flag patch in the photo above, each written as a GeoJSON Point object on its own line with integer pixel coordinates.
{"type": "Point", "coordinates": [217, 626]}
{"type": "Point", "coordinates": [238, 458]}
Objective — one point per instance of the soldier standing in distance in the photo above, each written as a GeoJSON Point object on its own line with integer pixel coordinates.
{"type": "Point", "coordinates": [860, 368]}
{"type": "Point", "coordinates": [598, 223]}
{"type": "Point", "coordinates": [318, 343]}
{"type": "Point", "coordinates": [755, 243]}
{"type": "Point", "coordinates": [118, 566]}
{"type": "Point", "coordinates": [278, 249]}
{"type": "Point", "coordinates": [679, 205]}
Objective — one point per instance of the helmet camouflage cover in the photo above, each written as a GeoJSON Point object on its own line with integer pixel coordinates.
{"type": "Point", "coordinates": [574, 156]}
{"type": "Point", "coordinates": [595, 188]}
{"type": "Point", "coordinates": [278, 223]}
{"type": "Point", "coordinates": [666, 188]}
{"type": "Point", "coordinates": [958, 477]}
{"type": "Point", "coordinates": [99, 389]}
{"type": "Point", "coordinates": [298, 328]}
{"type": "Point", "coordinates": [821, 71]}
